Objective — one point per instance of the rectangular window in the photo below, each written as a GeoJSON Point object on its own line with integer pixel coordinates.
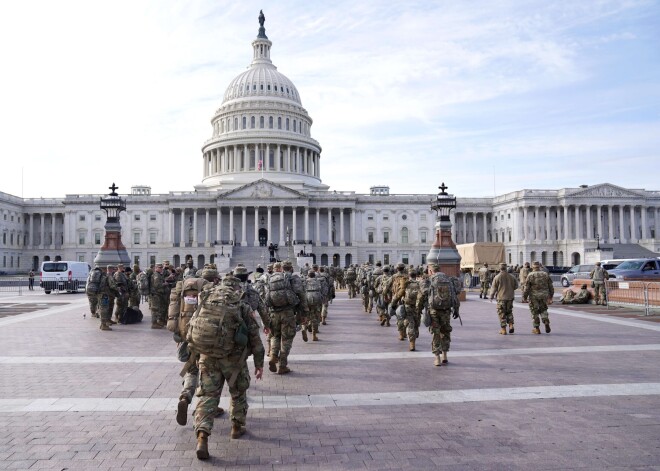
{"type": "Point", "coordinates": [152, 217]}
{"type": "Point", "coordinates": [97, 238]}
{"type": "Point", "coordinates": [422, 237]}
{"type": "Point", "coordinates": [81, 218]}
{"type": "Point", "coordinates": [371, 258]}
{"type": "Point", "coordinates": [404, 258]}
{"type": "Point", "coordinates": [4, 257]}
{"type": "Point", "coordinates": [423, 259]}
{"type": "Point", "coordinates": [97, 217]}
{"type": "Point", "coordinates": [12, 218]}
{"type": "Point", "coordinates": [136, 217]}
{"type": "Point", "coordinates": [152, 260]}
{"type": "Point", "coordinates": [370, 237]}
{"type": "Point", "coordinates": [404, 237]}
{"type": "Point", "coordinates": [81, 258]}
{"type": "Point", "coordinates": [81, 239]}
{"type": "Point", "coordinates": [386, 218]}
{"type": "Point", "coordinates": [136, 238]}
{"type": "Point", "coordinates": [152, 238]}
{"type": "Point", "coordinates": [422, 217]}
{"type": "Point", "coordinates": [386, 237]}
{"type": "Point", "coordinates": [370, 218]}
{"type": "Point", "coordinates": [386, 259]}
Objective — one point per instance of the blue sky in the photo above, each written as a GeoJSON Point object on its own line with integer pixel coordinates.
{"type": "Point", "coordinates": [487, 96]}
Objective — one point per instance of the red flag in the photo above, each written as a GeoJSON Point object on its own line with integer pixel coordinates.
{"type": "Point", "coordinates": [260, 164]}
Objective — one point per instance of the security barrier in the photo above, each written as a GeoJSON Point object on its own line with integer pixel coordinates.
{"type": "Point", "coordinates": [20, 285]}
{"type": "Point", "coordinates": [642, 294]}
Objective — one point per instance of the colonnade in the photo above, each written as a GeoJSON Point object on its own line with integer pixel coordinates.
{"type": "Point", "coordinates": [273, 157]}
{"type": "Point", "coordinates": [36, 235]}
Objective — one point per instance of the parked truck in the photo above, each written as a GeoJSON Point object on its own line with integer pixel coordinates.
{"type": "Point", "coordinates": [473, 257]}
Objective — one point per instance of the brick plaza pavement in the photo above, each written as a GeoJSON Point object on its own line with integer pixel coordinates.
{"type": "Point", "coordinates": [586, 396]}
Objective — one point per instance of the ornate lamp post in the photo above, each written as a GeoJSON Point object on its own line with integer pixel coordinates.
{"type": "Point", "coordinates": [113, 251]}
{"type": "Point", "coordinates": [443, 250]}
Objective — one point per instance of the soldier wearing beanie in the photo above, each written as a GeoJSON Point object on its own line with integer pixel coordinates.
{"type": "Point", "coordinates": [504, 287]}
{"type": "Point", "coordinates": [538, 288]}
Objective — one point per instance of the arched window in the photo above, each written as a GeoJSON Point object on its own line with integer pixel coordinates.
{"type": "Point", "coordinates": [287, 124]}
{"type": "Point", "coordinates": [244, 122]}
{"type": "Point", "coordinates": [261, 122]}
{"type": "Point", "coordinates": [235, 124]}
{"type": "Point", "coordinates": [294, 125]}
{"type": "Point", "coordinates": [253, 122]}
{"type": "Point", "coordinates": [270, 120]}
{"type": "Point", "coordinates": [404, 235]}
{"type": "Point", "coordinates": [222, 126]}
{"type": "Point", "coordinates": [279, 122]}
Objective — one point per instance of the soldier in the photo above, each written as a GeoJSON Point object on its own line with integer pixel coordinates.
{"type": "Point", "coordinates": [252, 297]}
{"type": "Point", "coordinates": [383, 298]}
{"type": "Point", "coordinates": [134, 292]}
{"type": "Point", "coordinates": [567, 296]}
{"type": "Point", "coordinates": [314, 294]}
{"type": "Point", "coordinates": [107, 292]}
{"type": "Point", "coordinates": [365, 281]}
{"type": "Point", "coordinates": [350, 278]}
{"type": "Point", "coordinates": [121, 301]}
{"type": "Point", "coordinates": [190, 267]}
{"type": "Point", "coordinates": [504, 287]}
{"type": "Point", "coordinates": [582, 297]}
{"type": "Point", "coordinates": [330, 294]}
{"type": "Point", "coordinates": [158, 297]}
{"type": "Point", "coordinates": [538, 288]}
{"type": "Point", "coordinates": [226, 361]}
{"type": "Point", "coordinates": [284, 293]}
{"type": "Point", "coordinates": [394, 285]}
{"type": "Point", "coordinates": [92, 289]}
{"type": "Point", "coordinates": [598, 277]}
{"type": "Point", "coordinates": [407, 294]}
{"type": "Point", "coordinates": [441, 299]}
{"type": "Point", "coordinates": [524, 271]}
{"type": "Point", "coordinates": [484, 279]}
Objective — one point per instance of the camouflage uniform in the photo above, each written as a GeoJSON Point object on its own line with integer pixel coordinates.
{"type": "Point", "coordinates": [484, 280]}
{"type": "Point", "coordinates": [283, 324]}
{"type": "Point", "coordinates": [383, 301]}
{"type": "Point", "coordinates": [538, 287]}
{"type": "Point", "coordinates": [524, 272]}
{"type": "Point", "coordinates": [394, 285]}
{"type": "Point", "coordinates": [330, 284]}
{"type": "Point", "coordinates": [133, 291]}
{"type": "Point", "coordinates": [440, 319]}
{"type": "Point", "coordinates": [408, 295]}
{"type": "Point", "coordinates": [93, 298]}
{"type": "Point", "coordinates": [158, 299]}
{"type": "Point", "coordinates": [121, 301]}
{"type": "Point", "coordinates": [214, 370]}
{"type": "Point", "coordinates": [365, 281]}
{"type": "Point", "coordinates": [106, 296]}
{"type": "Point", "coordinates": [598, 276]}
{"type": "Point", "coordinates": [313, 283]}
{"type": "Point", "coordinates": [504, 287]}
{"type": "Point", "coordinates": [350, 278]}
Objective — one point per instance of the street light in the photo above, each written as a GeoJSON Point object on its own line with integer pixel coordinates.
{"type": "Point", "coordinates": [444, 203]}
{"type": "Point", "coordinates": [597, 241]}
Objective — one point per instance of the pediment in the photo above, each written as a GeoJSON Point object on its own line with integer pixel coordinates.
{"type": "Point", "coordinates": [606, 190]}
{"type": "Point", "coordinates": [262, 189]}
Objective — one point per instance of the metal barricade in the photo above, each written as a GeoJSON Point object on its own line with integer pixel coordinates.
{"type": "Point", "coordinates": [640, 294]}
{"type": "Point", "coordinates": [14, 284]}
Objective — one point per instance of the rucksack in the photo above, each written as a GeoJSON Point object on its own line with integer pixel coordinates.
{"type": "Point", "coordinates": [412, 290]}
{"type": "Point", "coordinates": [132, 315]}
{"type": "Point", "coordinates": [144, 283]}
{"type": "Point", "coordinates": [442, 294]}
{"type": "Point", "coordinates": [313, 292]}
{"type": "Point", "coordinates": [217, 329]}
{"type": "Point", "coordinates": [280, 293]}
{"type": "Point", "coordinates": [350, 275]}
{"type": "Point", "coordinates": [190, 289]}
{"type": "Point", "coordinates": [94, 281]}
{"type": "Point", "coordinates": [251, 296]}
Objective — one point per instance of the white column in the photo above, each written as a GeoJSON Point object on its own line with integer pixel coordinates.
{"type": "Point", "coordinates": [318, 227]}
{"type": "Point", "coordinates": [256, 226]}
{"type": "Point", "coordinates": [566, 227]}
{"type": "Point", "coordinates": [294, 229]}
{"type": "Point", "coordinates": [352, 230]}
{"type": "Point", "coordinates": [231, 224]}
{"type": "Point", "coordinates": [525, 224]}
{"type": "Point", "coordinates": [578, 234]}
{"type": "Point", "coordinates": [318, 165]}
{"type": "Point", "coordinates": [474, 227]}
{"type": "Point", "coordinates": [182, 229]}
{"type": "Point", "coordinates": [547, 224]}
{"type": "Point", "coordinates": [306, 224]}
{"type": "Point", "coordinates": [267, 158]}
{"type": "Point", "coordinates": [52, 229]}
{"type": "Point", "coordinates": [287, 163]}
{"type": "Point", "coordinates": [599, 222]}
{"type": "Point", "coordinates": [633, 224]}
{"type": "Point", "coordinates": [207, 231]}
{"type": "Point", "coordinates": [170, 215]}
{"type": "Point", "coordinates": [277, 160]}
{"type": "Point", "coordinates": [622, 234]}
{"type": "Point", "coordinates": [282, 241]}
{"type": "Point", "coordinates": [590, 232]}
{"type": "Point", "coordinates": [246, 164]}
{"type": "Point", "coordinates": [537, 223]}
{"type": "Point", "coordinates": [194, 235]}
{"type": "Point", "coordinates": [329, 227]}
{"type": "Point", "coordinates": [244, 227]}
{"type": "Point", "coordinates": [269, 227]}
{"type": "Point", "coordinates": [485, 215]}
{"type": "Point", "coordinates": [204, 165]}
{"type": "Point", "coordinates": [645, 234]}
{"type": "Point", "coordinates": [655, 223]}
{"type": "Point", "coordinates": [610, 224]}
{"type": "Point", "coordinates": [342, 242]}
{"type": "Point", "coordinates": [218, 224]}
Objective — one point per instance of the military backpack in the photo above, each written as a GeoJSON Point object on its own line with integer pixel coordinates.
{"type": "Point", "coordinates": [144, 283]}
{"type": "Point", "coordinates": [412, 290]}
{"type": "Point", "coordinates": [314, 292]}
{"type": "Point", "coordinates": [442, 294]}
{"type": "Point", "coordinates": [94, 281]}
{"type": "Point", "coordinates": [280, 293]}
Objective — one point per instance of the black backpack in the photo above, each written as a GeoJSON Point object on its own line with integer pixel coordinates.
{"type": "Point", "coordinates": [132, 316]}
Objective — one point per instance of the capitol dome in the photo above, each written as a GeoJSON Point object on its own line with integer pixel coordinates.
{"type": "Point", "coordinates": [261, 130]}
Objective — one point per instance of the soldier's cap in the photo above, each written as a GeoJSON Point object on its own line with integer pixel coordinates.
{"type": "Point", "coordinates": [386, 269]}
{"type": "Point", "coordinates": [231, 281]}
{"type": "Point", "coordinates": [536, 264]}
{"type": "Point", "coordinates": [136, 267]}
{"type": "Point", "coordinates": [485, 264]}
{"type": "Point", "coordinates": [315, 266]}
{"type": "Point", "coordinates": [120, 265]}
{"type": "Point", "coordinates": [400, 266]}
{"type": "Point", "coordinates": [128, 270]}
{"type": "Point", "coordinates": [378, 264]}
{"type": "Point", "coordinates": [434, 266]}
{"type": "Point", "coordinates": [322, 269]}
{"type": "Point", "coordinates": [158, 265]}
{"type": "Point", "coordinates": [527, 264]}
{"type": "Point", "coordinates": [258, 265]}
{"type": "Point", "coordinates": [311, 274]}
{"type": "Point", "coordinates": [166, 262]}
{"type": "Point", "coordinates": [269, 266]}
{"type": "Point", "coordinates": [110, 267]}
{"type": "Point", "coordinates": [277, 265]}
{"type": "Point", "coordinates": [412, 271]}
{"type": "Point", "coordinates": [584, 286]}
{"type": "Point", "coordinates": [287, 265]}
{"type": "Point", "coordinates": [199, 272]}
{"type": "Point", "coordinates": [597, 264]}
{"type": "Point", "coordinates": [240, 270]}
{"type": "Point", "coordinates": [259, 270]}
{"type": "Point", "coordinates": [209, 274]}
{"type": "Point", "coordinates": [502, 266]}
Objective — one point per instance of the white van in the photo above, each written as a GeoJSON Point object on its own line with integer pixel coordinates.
{"type": "Point", "coordinates": [63, 276]}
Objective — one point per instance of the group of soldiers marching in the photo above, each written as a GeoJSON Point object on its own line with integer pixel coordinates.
{"type": "Point", "coordinates": [110, 291]}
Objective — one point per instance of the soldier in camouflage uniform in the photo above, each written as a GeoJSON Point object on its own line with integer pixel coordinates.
{"type": "Point", "coordinates": [330, 285]}
{"type": "Point", "coordinates": [598, 277]}
{"type": "Point", "coordinates": [313, 284]}
{"type": "Point", "coordinates": [407, 294]}
{"type": "Point", "coordinates": [365, 282]}
{"type": "Point", "coordinates": [504, 288]}
{"type": "Point", "coordinates": [133, 291]}
{"type": "Point", "coordinates": [484, 280]}
{"type": "Point", "coordinates": [252, 297]}
{"type": "Point", "coordinates": [383, 301]}
{"type": "Point", "coordinates": [440, 318]}
{"type": "Point", "coordinates": [121, 301]}
{"type": "Point", "coordinates": [107, 293]}
{"type": "Point", "coordinates": [538, 288]}
{"type": "Point", "coordinates": [394, 285]}
{"type": "Point", "coordinates": [283, 320]}
{"type": "Point", "coordinates": [158, 298]}
{"type": "Point", "coordinates": [93, 298]}
{"type": "Point", "coordinates": [190, 268]}
{"type": "Point", "coordinates": [350, 278]}
{"type": "Point", "coordinates": [524, 272]}
{"type": "Point", "coordinates": [215, 370]}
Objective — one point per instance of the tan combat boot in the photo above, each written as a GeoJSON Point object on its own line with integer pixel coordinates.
{"type": "Point", "coordinates": [237, 430]}
{"type": "Point", "coordinates": [202, 445]}
{"type": "Point", "coordinates": [303, 331]}
{"type": "Point", "coordinates": [315, 337]}
{"type": "Point", "coordinates": [272, 363]}
{"type": "Point", "coordinates": [156, 326]}
{"type": "Point", "coordinates": [536, 330]}
{"type": "Point", "coordinates": [511, 328]}
{"type": "Point", "coordinates": [182, 411]}
{"type": "Point", "coordinates": [412, 346]}
{"type": "Point", "coordinates": [402, 336]}
{"type": "Point", "coordinates": [283, 370]}
{"type": "Point", "coordinates": [105, 326]}
{"type": "Point", "coordinates": [437, 361]}
{"type": "Point", "coordinates": [382, 320]}
{"type": "Point", "coordinates": [444, 357]}
{"type": "Point", "coordinates": [547, 326]}
{"type": "Point", "coordinates": [502, 330]}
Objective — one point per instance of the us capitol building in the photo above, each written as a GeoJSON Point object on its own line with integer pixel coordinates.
{"type": "Point", "coordinates": [261, 185]}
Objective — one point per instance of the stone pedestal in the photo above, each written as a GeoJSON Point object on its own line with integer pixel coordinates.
{"type": "Point", "coordinates": [443, 251]}
{"type": "Point", "coordinates": [113, 251]}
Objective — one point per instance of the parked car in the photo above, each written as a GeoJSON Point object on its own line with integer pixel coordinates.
{"type": "Point", "coordinates": [63, 276]}
{"type": "Point", "coordinates": [639, 268]}
{"type": "Point", "coordinates": [611, 264]}
{"type": "Point", "coordinates": [576, 272]}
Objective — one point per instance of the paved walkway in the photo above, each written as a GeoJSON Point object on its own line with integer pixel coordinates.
{"type": "Point", "coordinates": [586, 396]}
